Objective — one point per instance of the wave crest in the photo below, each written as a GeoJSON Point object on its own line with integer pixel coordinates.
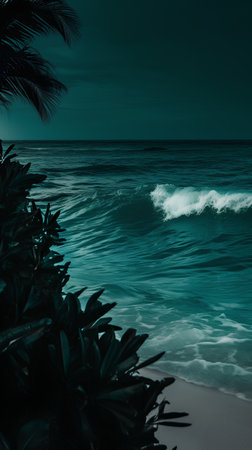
{"type": "Point", "coordinates": [177, 202]}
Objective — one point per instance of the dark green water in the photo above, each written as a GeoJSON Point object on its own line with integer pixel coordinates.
{"type": "Point", "coordinates": [165, 228]}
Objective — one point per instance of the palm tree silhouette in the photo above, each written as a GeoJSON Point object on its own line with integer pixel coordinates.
{"type": "Point", "coordinates": [23, 71]}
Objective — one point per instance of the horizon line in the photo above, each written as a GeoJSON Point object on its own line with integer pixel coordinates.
{"type": "Point", "coordinates": [224, 140]}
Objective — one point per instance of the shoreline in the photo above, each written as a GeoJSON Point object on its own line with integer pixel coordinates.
{"type": "Point", "coordinates": [238, 395]}
{"type": "Point", "coordinates": [220, 421]}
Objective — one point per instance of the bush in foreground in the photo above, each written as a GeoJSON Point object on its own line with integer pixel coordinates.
{"type": "Point", "coordinates": [67, 381]}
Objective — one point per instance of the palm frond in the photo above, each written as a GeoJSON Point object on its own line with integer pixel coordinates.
{"type": "Point", "coordinates": [25, 74]}
{"type": "Point", "coordinates": [22, 20]}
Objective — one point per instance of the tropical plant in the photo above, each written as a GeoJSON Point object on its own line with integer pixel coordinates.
{"type": "Point", "coordinates": [23, 71]}
{"type": "Point", "coordinates": [69, 378]}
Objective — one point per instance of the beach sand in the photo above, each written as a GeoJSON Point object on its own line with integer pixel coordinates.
{"type": "Point", "coordinates": [219, 421]}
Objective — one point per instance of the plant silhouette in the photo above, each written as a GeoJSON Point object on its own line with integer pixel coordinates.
{"type": "Point", "coordinates": [24, 72]}
{"type": "Point", "coordinates": [69, 378]}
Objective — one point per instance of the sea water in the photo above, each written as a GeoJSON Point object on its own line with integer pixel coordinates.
{"type": "Point", "coordinates": [165, 228]}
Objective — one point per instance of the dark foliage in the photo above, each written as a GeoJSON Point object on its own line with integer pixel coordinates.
{"type": "Point", "coordinates": [23, 72]}
{"type": "Point", "coordinates": [67, 380]}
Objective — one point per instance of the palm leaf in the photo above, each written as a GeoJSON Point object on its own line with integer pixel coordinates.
{"type": "Point", "coordinates": [22, 20]}
{"type": "Point", "coordinates": [25, 74]}
{"type": "Point", "coordinates": [33, 330]}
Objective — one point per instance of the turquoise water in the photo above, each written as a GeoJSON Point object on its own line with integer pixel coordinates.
{"type": "Point", "coordinates": [165, 228]}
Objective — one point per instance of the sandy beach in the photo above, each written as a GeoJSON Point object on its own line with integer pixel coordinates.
{"type": "Point", "coordinates": [219, 421]}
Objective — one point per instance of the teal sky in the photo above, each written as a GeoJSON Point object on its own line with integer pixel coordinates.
{"type": "Point", "coordinates": [146, 69]}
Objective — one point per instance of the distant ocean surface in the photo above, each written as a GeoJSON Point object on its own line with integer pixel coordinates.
{"type": "Point", "coordinates": [166, 229]}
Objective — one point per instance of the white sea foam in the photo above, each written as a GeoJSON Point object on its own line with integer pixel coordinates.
{"type": "Point", "coordinates": [221, 367]}
{"type": "Point", "coordinates": [177, 202]}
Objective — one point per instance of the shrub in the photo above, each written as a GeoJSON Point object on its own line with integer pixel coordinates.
{"type": "Point", "coordinates": [67, 380]}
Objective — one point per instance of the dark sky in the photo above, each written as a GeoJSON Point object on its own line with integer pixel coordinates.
{"type": "Point", "coordinates": [149, 69]}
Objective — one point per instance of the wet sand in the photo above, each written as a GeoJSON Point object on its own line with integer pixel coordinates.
{"type": "Point", "coordinates": [219, 421]}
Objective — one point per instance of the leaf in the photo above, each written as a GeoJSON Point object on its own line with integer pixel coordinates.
{"type": "Point", "coordinates": [149, 361]}
{"type": "Point", "coordinates": [47, 213]}
{"type": "Point", "coordinates": [111, 357]}
{"type": "Point", "coordinates": [55, 216]}
{"type": "Point", "coordinates": [127, 363]}
{"type": "Point", "coordinates": [33, 300]}
{"type": "Point", "coordinates": [103, 321]}
{"type": "Point", "coordinates": [128, 336]}
{"type": "Point", "coordinates": [79, 292]}
{"type": "Point", "coordinates": [33, 329]}
{"type": "Point", "coordinates": [9, 150]}
{"type": "Point", "coordinates": [30, 77]}
{"type": "Point", "coordinates": [8, 158]}
{"type": "Point", "coordinates": [155, 388]}
{"type": "Point", "coordinates": [172, 415]}
{"type": "Point", "coordinates": [70, 312]}
{"type": "Point", "coordinates": [166, 382]}
{"type": "Point", "coordinates": [32, 434]}
{"type": "Point", "coordinates": [94, 356]}
{"type": "Point", "coordinates": [132, 345]}
{"type": "Point", "coordinates": [87, 318]}
{"type": "Point", "coordinates": [86, 428]}
{"type": "Point", "coordinates": [92, 302]}
{"type": "Point", "coordinates": [122, 394]}
{"type": "Point", "coordinates": [122, 407]}
{"type": "Point", "coordinates": [122, 411]}
{"type": "Point", "coordinates": [2, 285]}
{"type": "Point", "coordinates": [123, 420]}
{"type": "Point", "coordinates": [3, 443]}
{"type": "Point", "coordinates": [65, 350]}
{"type": "Point", "coordinates": [20, 25]}
{"type": "Point", "coordinates": [162, 407]}
{"type": "Point", "coordinates": [104, 341]}
{"type": "Point", "coordinates": [175, 424]}
{"type": "Point", "coordinates": [155, 447]}
{"type": "Point", "coordinates": [110, 327]}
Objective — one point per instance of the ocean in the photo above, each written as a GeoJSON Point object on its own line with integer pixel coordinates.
{"type": "Point", "coordinates": [165, 228]}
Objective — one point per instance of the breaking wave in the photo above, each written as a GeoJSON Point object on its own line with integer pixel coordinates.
{"type": "Point", "coordinates": [177, 202]}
